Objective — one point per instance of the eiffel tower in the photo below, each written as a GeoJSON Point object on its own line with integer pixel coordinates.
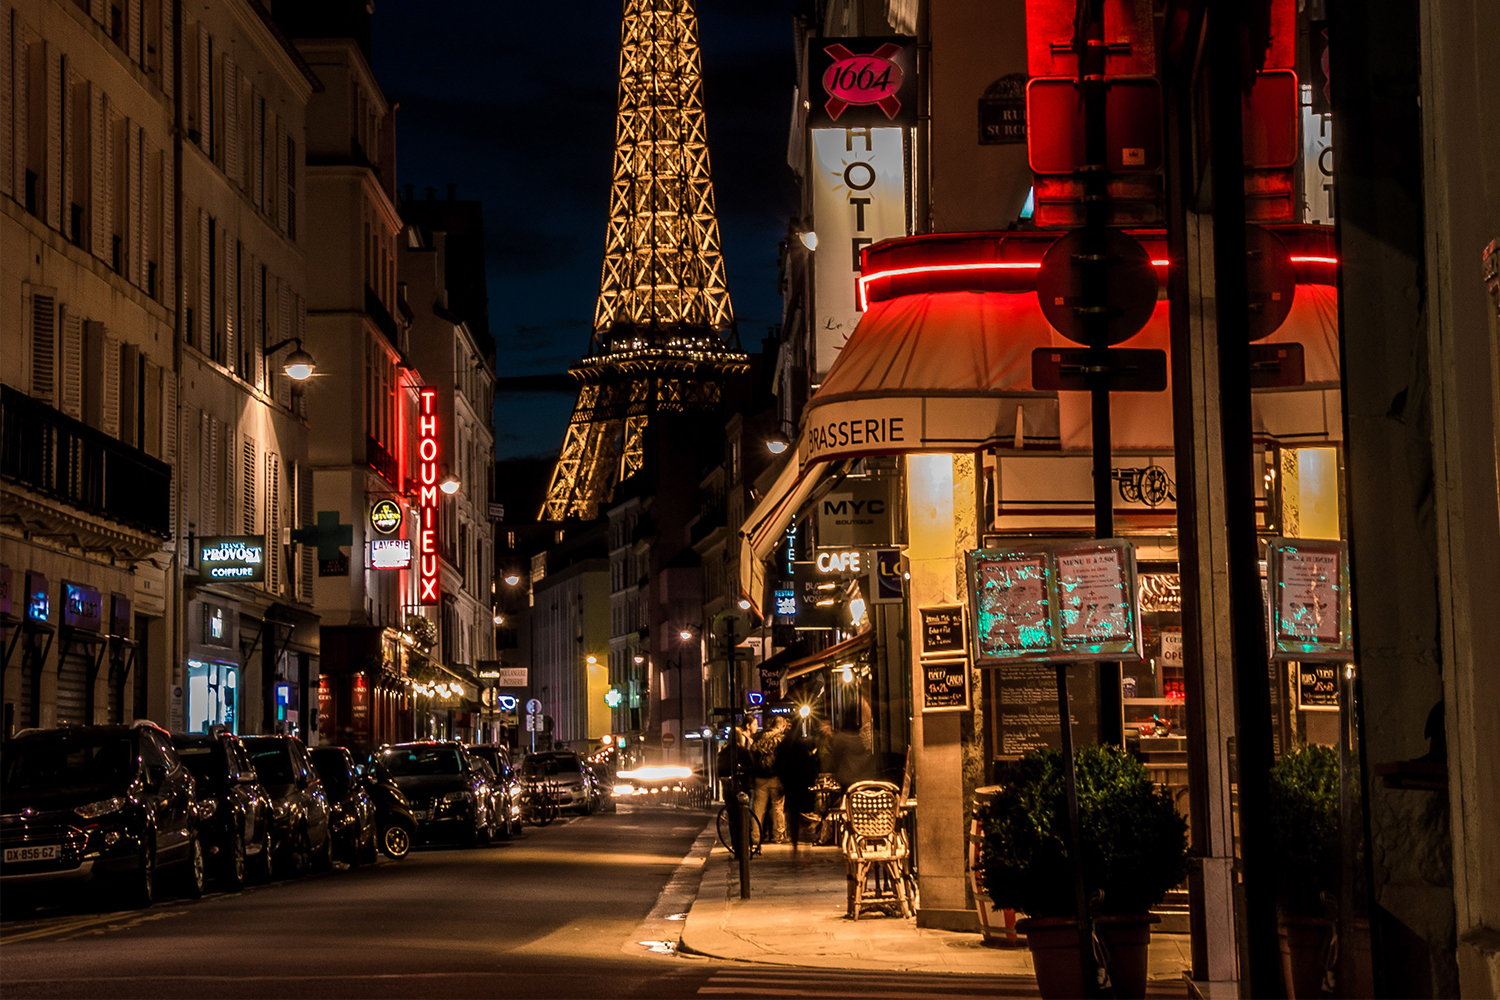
{"type": "Point", "coordinates": [664, 338]}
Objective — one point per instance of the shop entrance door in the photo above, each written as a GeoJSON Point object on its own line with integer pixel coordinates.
{"type": "Point", "coordinates": [213, 693]}
{"type": "Point", "coordinates": [72, 683]}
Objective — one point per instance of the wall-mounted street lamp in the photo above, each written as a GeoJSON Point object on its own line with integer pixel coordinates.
{"type": "Point", "coordinates": [449, 483]}
{"type": "Point", "coordinates": [777, 443]}
{"type": "Point", "coordinates": [299, 365]}
{"type": "Point", "coordinates": [809, 239]}
{"type": "Point", "coordinates": [511, 579]}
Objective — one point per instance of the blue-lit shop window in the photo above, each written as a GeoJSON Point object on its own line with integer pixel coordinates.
{"type": "Point", "coordinates": [213, 696]}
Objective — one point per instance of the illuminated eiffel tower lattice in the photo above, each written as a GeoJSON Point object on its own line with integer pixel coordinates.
{"type": "Point", "coordinates": [664, 338]}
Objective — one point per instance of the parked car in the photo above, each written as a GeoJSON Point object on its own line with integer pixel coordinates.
{"type": "Point", "coordinates": [508, 778]}
{"type": "Point", "coordinates": [97, 804]}
{"type": "Point", "coordinates": [566, 769]}
{"type": "Point", "coordinates": [447, 792]}
{"type": "Point", "coordinates": [351, 814]}
{"type": "Point", "coordinates": [234, 810]}
{"type": "Point", "coordinates": [395, 825]}
{"type": "Point", "coordinates": [601, 785]}
{"type": "Point", "coordinates": [299, 805]}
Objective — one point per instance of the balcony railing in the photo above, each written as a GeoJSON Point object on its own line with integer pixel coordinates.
{"type": "Point", "coordinates": [382, 462]}
{"type": "Point", "coordinates": [381, 315]}
{"type": "Point", "coordinates": [50, 453]}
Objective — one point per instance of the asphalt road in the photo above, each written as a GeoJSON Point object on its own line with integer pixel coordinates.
{"type": "Point", "coordinates": [576, 909]}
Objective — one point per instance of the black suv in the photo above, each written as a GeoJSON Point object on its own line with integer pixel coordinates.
{"type": "Point", "coordinates": [299, 805]}
{"type": "Point", "coordinates": [448, 794]}
{"type": "Point", "coordinates": [234, 811]}
{"type": "Point", "coordinates": [96, 804]}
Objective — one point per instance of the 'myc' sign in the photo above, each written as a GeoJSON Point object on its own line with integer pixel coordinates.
{"type": "Point", "coordinates": [427, 497]}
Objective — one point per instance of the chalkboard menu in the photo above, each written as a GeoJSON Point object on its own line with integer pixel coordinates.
{"type": "Point", "coordinates": [945, 685]}
{"type": "Point", "coordinates": [1318, 686]}
{"type": "Point", "coordinates": [942, 630]}
{"type": "Point", "coordinates": [1027, 716]}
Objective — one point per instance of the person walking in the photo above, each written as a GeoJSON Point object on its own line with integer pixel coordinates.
{"type": "Point", "coordinates": [797, 767]}
{"type": "Point", "coordinates": [769, 806]}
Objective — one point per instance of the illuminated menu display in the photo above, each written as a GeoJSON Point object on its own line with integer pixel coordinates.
{"type": "Point", "coordinates": [427, 498]}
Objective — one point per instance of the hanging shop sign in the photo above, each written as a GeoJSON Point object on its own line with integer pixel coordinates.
{"type": "Point", "coordinates": [38, 599]}
{"type": "Point", "coordinates": [236, 558]}
{"type": "Point", "coordinates": [390, 553]}
{"type": "Point", "coordinates": [1309, 586]}
{"type": "Point", "coordinates": [1056, 602]}
{"type": "Point", "coordinates": [942, 630]}
{"type": "Point", "coordinates": [82, 607]}
{"type": "Point", "coordinates": [5, 581]}
{"type": "Point", "coordinates": [887, 579]}
{"type": "Point", "coordinates": [856, 82]}
{"type": "Point", "coordinates": [386, 517]}
{"type": "Point", "coordinates": [859, 198]}
{"type": "Point", "coordinates": [859, 513]}
{"type": "Point", "coordinates": [428, 494]}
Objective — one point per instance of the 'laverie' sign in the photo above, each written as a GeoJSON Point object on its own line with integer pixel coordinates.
{"type": "Point", "coordinates": [235, 558]}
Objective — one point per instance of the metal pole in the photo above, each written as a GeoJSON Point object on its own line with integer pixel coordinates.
{"type": "Point", "coordinates": [1075, 838]}
{"type": "Point", "coordinates": [743, 801]}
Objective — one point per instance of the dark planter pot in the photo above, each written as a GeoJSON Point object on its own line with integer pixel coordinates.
{"type": "Point", "coordinates": [1054, 954]}
{"type": "Point", "coordinates": [1304, 943]}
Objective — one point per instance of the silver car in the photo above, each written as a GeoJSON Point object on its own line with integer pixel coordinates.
{"type": "Point", "coordinates": [565, 769]}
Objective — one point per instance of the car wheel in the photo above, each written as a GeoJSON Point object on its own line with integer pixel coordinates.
{"type": "Point", "coordinates": [298, 854]}
{"type": "Point", "coordinates": [367, 846]}
{"type": "Point", "coordinates": [140, 885]}
{"type": "Point", "coordinates": [395, 840]}
{"type": "Point", "coordinates": [264, 858]}
{"type": "Point", "coordinates": [235, 866]}
{"type": "Point", "coordinates": [192, 878]}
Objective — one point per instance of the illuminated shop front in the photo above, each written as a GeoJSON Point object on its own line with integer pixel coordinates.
{"type": "Point", "coordinates": [213, 682]}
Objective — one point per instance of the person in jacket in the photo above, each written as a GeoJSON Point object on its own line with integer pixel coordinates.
{"type": "Point", "coordinates": [769, 806]}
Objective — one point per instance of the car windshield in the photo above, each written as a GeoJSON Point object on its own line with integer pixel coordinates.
{"type": "Point", "coordinates": [334, 771]}
{"type": "Point", "coordinates": [66, 764]}
{"type": "Point", "coordinates": [536, 767]}
{"type": "Point", "coordinates": [412, 761]}
{"type": "Point", "coordinates": [273, 765]}
{"type": "Point", "coordinates": [205, 760]}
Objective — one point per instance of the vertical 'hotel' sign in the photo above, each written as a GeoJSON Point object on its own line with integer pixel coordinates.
{"type": "Point", "coordinates": [427, 471]}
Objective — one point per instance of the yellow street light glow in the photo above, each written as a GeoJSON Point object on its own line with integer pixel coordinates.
{"type": "Point", "coordinates": [804, 711]}
{"type": "Point", "coordinates": [656, 773]}
{"type": "Point", "coordinates": [639, 660]}
{"type": "Point", "coordinates": [848, 674]}
{"type": "Point", "coordinates": [685, 634]}
{"type": "Point", "coordinates": [511, 579]}
{"type": "Point", "coordinates": [449, 485]}
{"type": "Point", "coordinates": [744, 604]}
{"type": "Point", "coordinates": [591, 659]}
{"type": "Point", "coordinates": [499, 619]}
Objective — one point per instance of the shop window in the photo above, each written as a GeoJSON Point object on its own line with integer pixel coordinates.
{"type": "Point", "coordinates": [213, 696]}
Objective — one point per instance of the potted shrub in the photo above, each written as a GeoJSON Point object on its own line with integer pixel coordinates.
{"type": "Point", "coordinates": [1134, 849]}
{"type": "Point", "coordinates": [1305, 832]}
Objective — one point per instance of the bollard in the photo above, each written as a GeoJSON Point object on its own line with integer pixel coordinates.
{"type": "Point", "coordinates": [743, 801]}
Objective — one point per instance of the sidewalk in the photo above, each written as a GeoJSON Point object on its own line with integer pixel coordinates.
{"type": "Point", "coordinates": [795, 916]}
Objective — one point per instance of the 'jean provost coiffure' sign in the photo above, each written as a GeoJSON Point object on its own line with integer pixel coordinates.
{"type": "Point", "coordinates": [1055, 602]}
{"type": "Point", "coordinates": [233, 558]}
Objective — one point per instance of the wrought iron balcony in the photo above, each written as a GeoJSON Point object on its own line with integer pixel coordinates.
{"type": "Point", "coordinates": [48, 452]}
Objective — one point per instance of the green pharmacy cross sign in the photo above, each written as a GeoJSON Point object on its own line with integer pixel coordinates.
{"type": "Point", "coordinates": [331, 538]}
{"type": "Point", "coordinates": [1056, 602]}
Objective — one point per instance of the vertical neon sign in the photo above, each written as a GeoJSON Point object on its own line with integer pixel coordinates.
{"type": "Point", "coordinates": [427, 450]}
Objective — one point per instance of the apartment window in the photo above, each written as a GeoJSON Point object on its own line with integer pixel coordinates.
{"type": "Point", "coordinates": [291, 189]}
{"type": "Point", "coordinates": [380, 393]}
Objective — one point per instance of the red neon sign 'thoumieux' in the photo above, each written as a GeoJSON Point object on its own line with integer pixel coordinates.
{"type": "Point", "coordinates": [427, 470]}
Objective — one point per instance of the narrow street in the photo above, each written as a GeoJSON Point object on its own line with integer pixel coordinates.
{"type": "Point", "coordinates": [560, 912]}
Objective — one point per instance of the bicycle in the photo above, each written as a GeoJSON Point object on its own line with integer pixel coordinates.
{"type": "Point", "coordinates": [539, 804]}
{"type": "Point", "coordinates": [725, 826]}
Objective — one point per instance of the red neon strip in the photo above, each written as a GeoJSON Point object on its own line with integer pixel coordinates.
{"type": "Point", "coordinates": [865, 279]}
{"type": "Point", "coordinates": [1315, 260]}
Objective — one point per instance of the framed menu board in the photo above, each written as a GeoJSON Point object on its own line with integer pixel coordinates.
{"type": "Point", "coordinates": [945, 684]}
{"type": "Point", "coordinates": [1309, 586]}
{"type": "Point", "coordinates": [1318, 686]}
{"type": "Point", "coordinates": [943, 630]}
{"type": "Point", "coordinates": [1055, 602]}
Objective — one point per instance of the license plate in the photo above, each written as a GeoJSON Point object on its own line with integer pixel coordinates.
{"type": "Point", "coordinates": [42, 852]}
{"type": "Point", "coordinates": [419, 813]}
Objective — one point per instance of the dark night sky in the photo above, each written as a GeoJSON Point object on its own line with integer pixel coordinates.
{"type": "Point", "coordinates": [514, 101]}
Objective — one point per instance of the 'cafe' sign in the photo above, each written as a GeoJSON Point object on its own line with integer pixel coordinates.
{"type": "Point", "coordinates": [233, 558]}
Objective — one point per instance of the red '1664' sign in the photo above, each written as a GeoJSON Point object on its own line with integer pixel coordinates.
{"type": "Point", "coordinates": [867, 82]}
{"type": "Point", "coordinates": [427, 472]}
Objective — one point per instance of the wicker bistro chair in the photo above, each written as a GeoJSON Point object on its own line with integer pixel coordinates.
{"type": "Point", "coordinates": [875, 847]}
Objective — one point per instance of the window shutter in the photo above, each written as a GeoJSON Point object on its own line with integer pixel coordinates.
{"type": "Point", "coordinates": [53, 213]}
{"type": "Point", "coordinates": [232, 144]}
{"type": "Point", "coordinates": [16, 148]}
{"type": "Point", "coordinates": [136, 269]}
{"type": "Point", "coordinates": [228, 511]}
{"type": "Point", "coordinates": [72, 365]}
{"type": "Point", "coordinates": [99, 171]}
{"type": "Point", "coordinates": [273, 522]}
{"type": "Point", "coordinates": [168, 267]}
{"type": "Point", "coordinates": [257, 120]}
{"type": "Point", "coordinates": [205, 90]}
{"type": "Point", "coordinates": [105, 207]}
{"type": "Point", "coordinates": [258, 320]}
{"type": "Point", "coordinates": [202, 498]}
{"type": "Point", "coordinates": [214, 478]}
{"type": "Point", "coordinates": [111, 371]}
{"type": "Point", "coordinates": [44, 346]}
{"type": "Point", "coordinates": [231, 307]}
{"type": "Point", "coordinates": [283, 332]}
{"type": "Point", "coordinates": [133, 32]}
{"type": "Point", "coordinates": [203, 338]}
{"type": "Point", "coordinates": [168, 42]}
{"type": "Point", "coordinates": [7, 105]}
{"type": "Point", "coordinates": [169, 419]}
{"type": "Point", "coordinates": [150, 441]}
{"type": "Point", "coordinates": [150, 206]}
{"type": "Point", "coordinates": [96, 11]}
{"type": "Point", "coordinates": [68, 154]}
{"type": "Point", "coordinates": [247, 486]}
{"type": "Point", "coordinates": [279, 186]}
{"type": "Point", "coordinates": [306, 566]}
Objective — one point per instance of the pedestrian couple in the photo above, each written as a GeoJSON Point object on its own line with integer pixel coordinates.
{"type": "Point", "coordinates": [785, 767]}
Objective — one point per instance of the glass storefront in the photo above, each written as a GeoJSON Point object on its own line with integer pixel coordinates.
{"type": "Point", "coordinates": [213, 696]}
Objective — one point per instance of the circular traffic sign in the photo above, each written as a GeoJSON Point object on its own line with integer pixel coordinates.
{"type": "Point", "coordinates": [533, 706]}
{"type": "Point", "coordinates": [1270, 279]}
{"type": "Point", "coordinates": [668, 739]}
{"type": "Point", "coordinates": [1129, 288]}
